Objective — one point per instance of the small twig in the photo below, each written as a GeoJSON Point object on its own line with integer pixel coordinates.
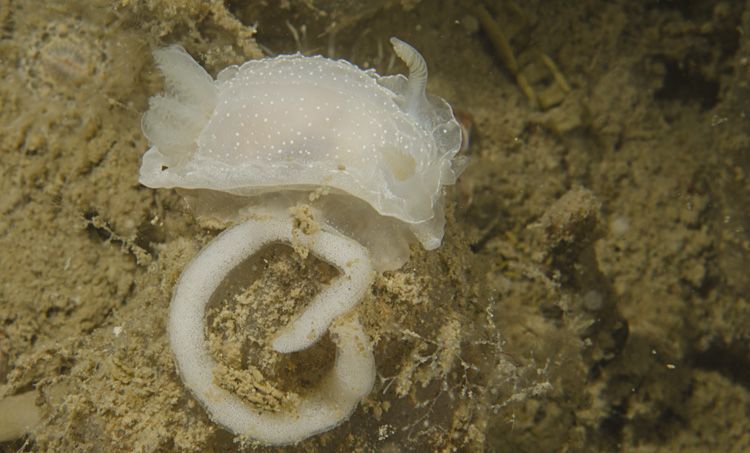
{"type": "Point", "coordinates": [504, 52]}
{"type": "Point", "coordinates": [556, 73]}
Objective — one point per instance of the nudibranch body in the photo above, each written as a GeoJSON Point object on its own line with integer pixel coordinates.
{"type": "Point", "coordinates": [369, 154]}
{"type": "Point", "coordinates": [295, 123]}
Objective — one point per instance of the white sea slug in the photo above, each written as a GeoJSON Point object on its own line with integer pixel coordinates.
{"type": "Point", "coordinates": [259, 139]}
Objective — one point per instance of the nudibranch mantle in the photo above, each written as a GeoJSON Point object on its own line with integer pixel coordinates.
{"type": "Point", "coordinates": [294, 123]}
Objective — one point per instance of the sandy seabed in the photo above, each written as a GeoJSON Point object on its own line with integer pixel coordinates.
{"type": "Point", "coordinates": [590, 293]}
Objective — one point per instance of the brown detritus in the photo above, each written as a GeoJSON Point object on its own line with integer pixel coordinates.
{"type": "Point", "coordinates": [304, 223]}
{"type": "Point", "coordinates": [65, 56]}
{"type": "Point", "coordinates": [100, 226]}
{"type": "Point", "coordinates": [253, 388]}
{"type": "Point", "coordinates": [569, 226]}
{"type": "Point", "coordinates": [4, 360]}
{"type": "Point", "coordinates": [304, 220]}
{"type": "Point", "coordinates": [260, 295]}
